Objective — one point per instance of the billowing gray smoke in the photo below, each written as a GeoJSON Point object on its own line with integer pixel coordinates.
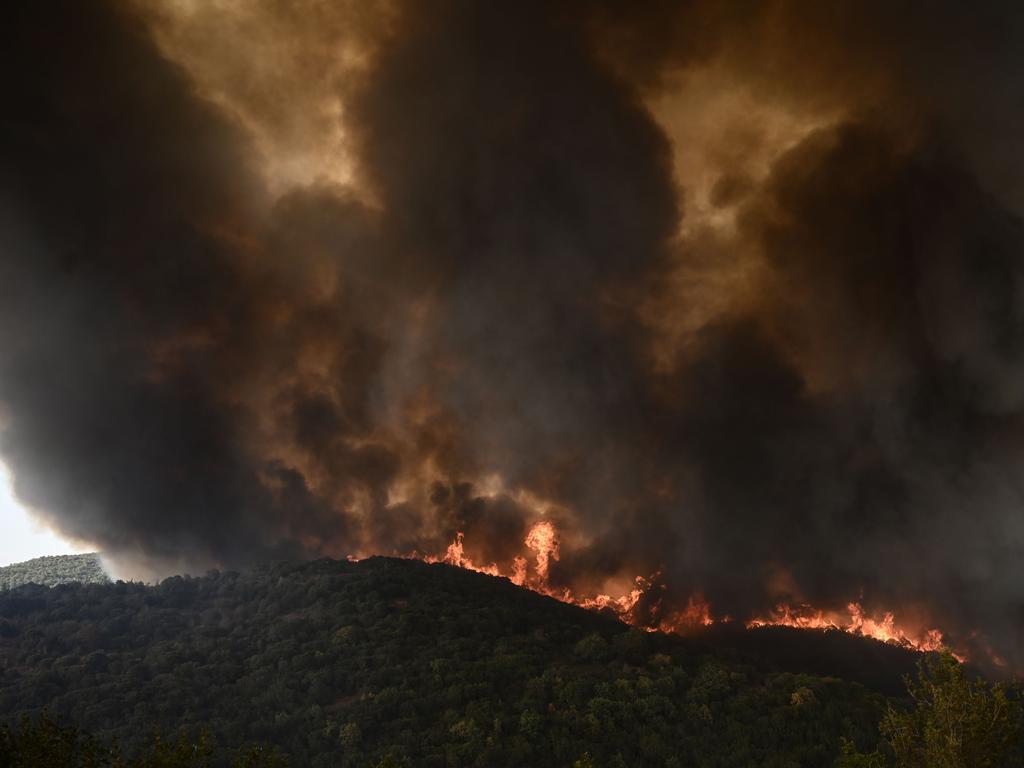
{"type": "Point", "coordinates": [809, 387]}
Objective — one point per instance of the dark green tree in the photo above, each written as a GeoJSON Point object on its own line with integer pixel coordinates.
{"type": "Point", "coordinates": [955, 722]}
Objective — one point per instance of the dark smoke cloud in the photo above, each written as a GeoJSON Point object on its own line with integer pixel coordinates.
{"type": "Point", "coordinates": [892, 460]}
{"type": "Point", "coordinates": [139, 308]}
{"type": "Point", "coordinates": [502, 315]}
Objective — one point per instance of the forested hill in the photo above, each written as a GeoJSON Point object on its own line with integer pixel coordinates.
{"type": "Point", "coordinates": [53, 570]}
{"type": "Point", "coordinates": [351, 664]}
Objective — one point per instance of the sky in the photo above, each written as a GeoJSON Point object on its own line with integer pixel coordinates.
{"type": "Point", "coordinates": [24, 537]}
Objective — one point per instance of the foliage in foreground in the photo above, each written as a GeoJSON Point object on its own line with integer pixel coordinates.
{"type": "Point", "coordinates": [954, 722]}
{"type": "Point", "coordinates": [43, 743]}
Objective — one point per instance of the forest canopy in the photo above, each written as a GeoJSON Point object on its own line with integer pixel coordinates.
{"type": "Point", "coordinates": [335, 663]}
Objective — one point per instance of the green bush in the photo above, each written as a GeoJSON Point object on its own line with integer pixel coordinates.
{"type": "Point", "coordinates": [954, 722]}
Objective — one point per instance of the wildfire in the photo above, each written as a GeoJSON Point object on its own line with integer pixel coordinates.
{"type": "Point", "coordinates": [622, 605]}
{"type": "Point", "coordinates": [857, 622]}
{"type": "Point", "coordinates": [543, 541]}
{"type": "Point", "coordinates": [456, 555]}
{"type": "Point", "coordinates": [697, 614]}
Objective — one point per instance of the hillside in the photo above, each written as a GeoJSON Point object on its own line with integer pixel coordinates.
{"type": "Point", "coordinates": [54, 570]}
{"type": "Point", "coordinates": [341, 663]}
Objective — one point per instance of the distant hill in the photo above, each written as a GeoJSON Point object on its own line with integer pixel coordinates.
{"type": "Point", "coordinates": [54, 570]}
{"type": "Point", "coordinates": [351, 664]}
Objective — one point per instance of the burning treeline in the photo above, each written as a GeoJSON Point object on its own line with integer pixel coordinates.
{"type": "Point", "coordinates": [642, 604]}
{"type": "Point", "coordinates": [728, 294]}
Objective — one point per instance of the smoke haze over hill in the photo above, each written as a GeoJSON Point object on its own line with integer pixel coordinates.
{"type": "Point", "coordinates": [728, 294]}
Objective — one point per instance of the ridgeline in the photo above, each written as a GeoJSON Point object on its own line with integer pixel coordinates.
{"type": "Point", "coordinates": [406, 663]}
{"type": "Point", "coordinates": [53, 570]}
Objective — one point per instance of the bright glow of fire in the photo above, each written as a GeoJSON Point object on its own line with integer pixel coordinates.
{"type": "Point", "coordinates": [856, 622]}
{"type": "Point", "coordinates": [697, 614]}
{"type": "Point", "coordinates": [622, 605]}
{"type": "Point", "coordinates": [455, 555]}
{"type": "Point", "coordinates": [543, 541]}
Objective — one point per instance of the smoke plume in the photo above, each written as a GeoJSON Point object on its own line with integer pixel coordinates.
{"type": "Point", "coordinates": [733, 294]}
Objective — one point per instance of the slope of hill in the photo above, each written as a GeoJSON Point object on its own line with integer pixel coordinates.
{"type": "Point", "coordinates": [880, 666]}
{"type": "Point", "coordinates": [54, 570]}
{"type": "Point", "coordinates": [345, 664]}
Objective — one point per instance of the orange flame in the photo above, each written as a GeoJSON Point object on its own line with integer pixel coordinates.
{"type": "Point", "coordinates": [857, 623]}
{"type": "Point", "coordinates": [697, 614]}
{"type": "Point", "coordinates": [543, 541]}
{"type": "Point", "coordinates": [519, 571]}
{"type": "Point", "coordinates": [455, 555]}
{"type": "Point", "coordinates": [621, 605]}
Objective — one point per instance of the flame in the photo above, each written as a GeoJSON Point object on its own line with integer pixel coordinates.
{"type": "Point", "coordinates": [543, 541]}
{"type": "Point", "coordinates": [456, 555]}
{"type": "Point", "coordinates": [858, 622]}
{"type": "Point", "coordinates": [697, 614]}
{"type": "Point", "coordinates": [518, 571]}
{"type": "Point", "coordinates": [622, 605]}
